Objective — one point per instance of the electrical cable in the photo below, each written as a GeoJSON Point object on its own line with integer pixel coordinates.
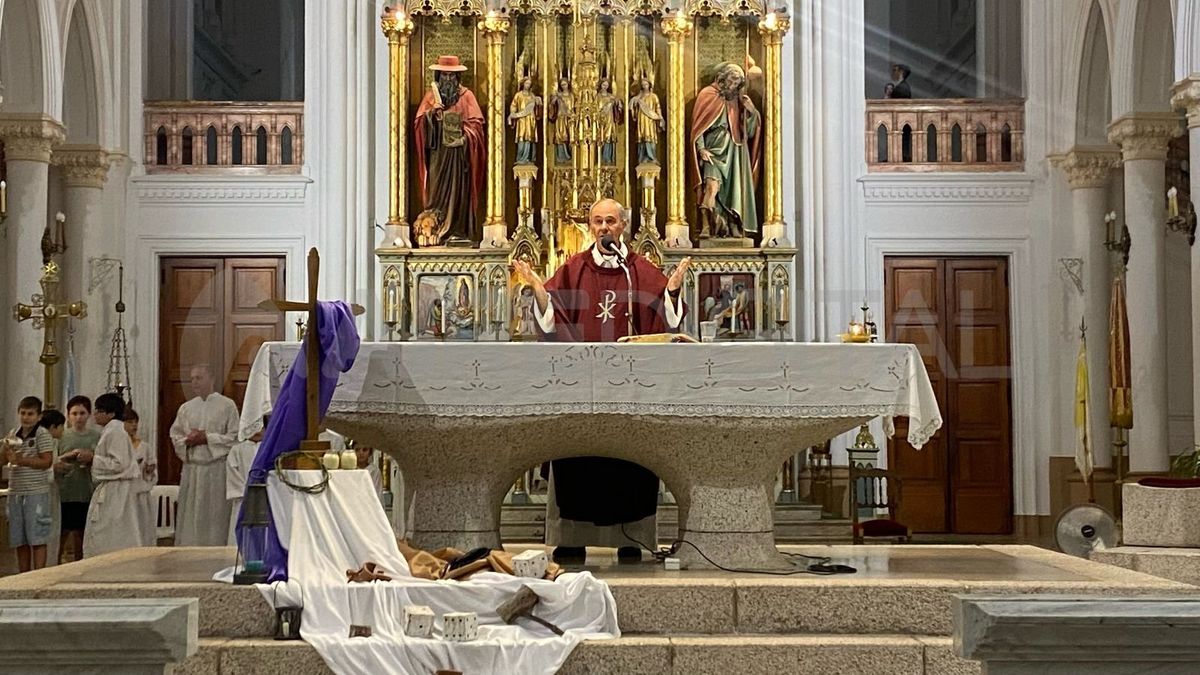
{"type": "Point", "coordinates": [820, 568]}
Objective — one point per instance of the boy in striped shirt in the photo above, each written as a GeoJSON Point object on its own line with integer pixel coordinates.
{"type": "Point", "coordinates": [30, 451]}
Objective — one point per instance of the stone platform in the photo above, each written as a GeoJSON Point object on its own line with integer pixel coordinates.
{"type": "Point", "coordinates": [1176, 564]}
{"type": "Point", "coordinates": [893, 616]}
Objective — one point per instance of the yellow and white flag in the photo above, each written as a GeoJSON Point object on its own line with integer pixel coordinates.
{"type": "Point", "coordinates": [1083, 415]}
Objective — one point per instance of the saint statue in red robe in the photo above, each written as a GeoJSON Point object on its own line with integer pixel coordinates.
{"type": "Point", "coordinates": [726, 140]}
{"type": "Point", "coordinates": [590, 299]}
{"type": "Point", "coordinates": [448, 133]}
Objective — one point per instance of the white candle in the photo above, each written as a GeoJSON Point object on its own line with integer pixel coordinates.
{"type": "Point", "coordinates": [782, 308]}
{"type": "Point", "coordinates": [1109, 219]}
{"type": "Point", "coordinates": [391, 305]}
{"type": "Point", "coordinates": [3, 197]}
{"type": "Point", "coordinates": [1173, 203]}
{"type": "Point", "coordinates": [500, 304]}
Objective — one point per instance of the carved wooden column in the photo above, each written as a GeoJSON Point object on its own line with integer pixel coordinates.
{"type": "Point", "coordinates": [397, 27]}
{"type": "Point", "coordinates": [677, 28]}
{"type": "Point", "coordinates": [494, 27]}
{"type": "Point", "coordinates": [773, 27]}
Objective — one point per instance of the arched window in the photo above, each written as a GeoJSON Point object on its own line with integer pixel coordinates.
{"type": "Point", "coordinates": [235, 146]}
{"type": "Point", "coordinates": [186, 146]}
{"type": "Point", "coordinates": [881, 143]}
{"type": "Point", "coordinates": [210, 145]}
{"type": "Point", "coordinates": [260, 148]}
{"type": "Point", "coordinates": [1006, 153]}
{"type": "Point", "coordinates": [906, 144]}
{"type": "Point", "coordinates": [931, 144]}
{"type": "Point", "coordinates": [956, 154]}
{"type": "Point", "coordinates": [981, 144]}
{"type": "Point", "coordinates": [160, 146]}
{"type": "Point", "coordinates": [285, 146]}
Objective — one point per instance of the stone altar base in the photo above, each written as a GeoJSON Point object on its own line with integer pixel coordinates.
{"type": "Point", "coordinates": [894, 616]}
{"type": "Point", "coordinates": [1176, 564]}
{"type": "Point", "coordinates": [1160, 516]}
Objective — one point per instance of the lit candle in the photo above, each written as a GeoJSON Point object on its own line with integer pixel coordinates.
{"type": "Point", "coordinates": [1173, 203]}
{"type": "Point", "coordinates": [60, 235]}
{"type": "Point", "coordinates": [500, 304]}
{"type": "Point", "coordinates": [1109, 219]}
{"type": "Point", "coordinates": [3, 197]}
{"type": "Point", "coordinates": [782, 308]}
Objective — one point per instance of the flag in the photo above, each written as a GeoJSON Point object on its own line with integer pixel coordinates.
{"type": "Point", "coordinates": [69, 387]}
{"type": "Point", "coordinates": [1083, 414]}
{"type": "Point", "coordinates": [1119, 371]}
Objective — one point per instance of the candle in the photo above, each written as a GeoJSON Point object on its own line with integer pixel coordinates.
{"type": "Point", "coordinates": [391, 305]}
{"type": "Point", "coordinates": [1173, 203]}
{"type": "Point", "coordinates": [500, 304]}
{"type": "Point", "coordinates": [856, 328]}
{"type": "Point", "coordinates": [782, 308]}
{"type": "Point", "coordinates": [1109, 219]}
{"type": "Point", "coordinates": [3, 198]}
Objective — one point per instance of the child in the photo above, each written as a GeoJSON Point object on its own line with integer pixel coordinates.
{"type": "Point", "coordinates": [237, 470]}
{"type": "Point", "coordinates": [143, 452]}
{"type": "Point", "coordinates": [30, 450]}
{"type": "Point", "coordinates": [113, 522]}
{"type": "Point", "coordinates": [74, 476]}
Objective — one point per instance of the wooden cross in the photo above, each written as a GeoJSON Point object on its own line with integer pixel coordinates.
{"type": "Point", "coordinates": [312, 358]}
{"type": "Point", "coordinates": [45, 311]}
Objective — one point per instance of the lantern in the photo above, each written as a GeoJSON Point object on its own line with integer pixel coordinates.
{"type": "Point", "coordinates": [251, 565]}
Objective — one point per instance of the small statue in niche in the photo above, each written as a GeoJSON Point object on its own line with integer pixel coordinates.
{"type": "Point", "coordinates": [562, 115]}
{"type": "Point", "coordinates": [648, 118]}
{"type": "Point", "coordinates": [611, 114]}
{"type": "Point", "coordinates": [725, 144]}
{"type": "Point", "coordinates": [523, 116]}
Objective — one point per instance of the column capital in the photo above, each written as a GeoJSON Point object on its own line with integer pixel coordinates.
{"type": "Point", "coordinates": [676, 26]}
{"type": "Point", "coordinates": [1088, 167]}
{"type": "Point", "coordinates": [30, 137]}
{"type": "Point", "coordinates": [1186, 95]}
{"type": "Point", "coordinates": [494, 25]}
{"type": "Point", "coordinates": [395, 24]}
{"type": "Point", "coordinates": [82, 165]}
{"type": "Point", "coordinates": [1145, 135]}
{"type": "Point", "coordinates": [774, 26]}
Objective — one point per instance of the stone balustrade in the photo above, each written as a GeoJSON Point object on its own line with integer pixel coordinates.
{"type": "Point", "coordinates": [224, 136]}
{"type": "Point", "coordinates": [960, 135]}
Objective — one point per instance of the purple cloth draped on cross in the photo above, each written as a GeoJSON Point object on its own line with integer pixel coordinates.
{"type": "Point", "coordinates": [286, 428]}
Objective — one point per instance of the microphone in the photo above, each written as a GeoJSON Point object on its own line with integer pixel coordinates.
{"type": "Point", "coordinates": [608, 245]}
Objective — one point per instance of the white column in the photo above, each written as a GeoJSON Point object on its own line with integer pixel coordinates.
{"type": "Point", "coordinates": [28, 141]}
{"type": "Point", "coordinates": [1088, 170]}
{"type": "Point", "coordinates": [1143, 139]}
{"type": "Point", "coordinates": [84, 170]}
{"type": "Point", "coordinates": [1187, 95]}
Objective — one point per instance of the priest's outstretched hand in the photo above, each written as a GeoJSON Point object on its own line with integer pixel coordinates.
{"type": "Point", "coordinates": [675, 281]}
{"type": "Point", "coordinates": [530, 278]}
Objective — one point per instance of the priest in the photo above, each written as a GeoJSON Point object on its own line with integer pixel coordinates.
{"type": "Point", "coordinates": [204, 430]}
{"type": "Point", "coordinates": [603, 502]}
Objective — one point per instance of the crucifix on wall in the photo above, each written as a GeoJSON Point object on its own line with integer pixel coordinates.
{"type": "Point", "coordinates": [45, 311]}
{"type": "Point", "coordinates": [311, 445]}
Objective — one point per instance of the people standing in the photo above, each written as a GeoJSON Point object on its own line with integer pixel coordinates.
{"type": "Point", "coordinates": [113, 522]}
{"type": "Point", "coordinates": [29, 449]}
{"type": "Point", "coordinates": [204, 430]}
{"type": "Point", "coordinates": [74, 477]}
{"type": "Point", "coordinates": [237, 471]}
{"type": "Point", "coordinates": [147, 461]}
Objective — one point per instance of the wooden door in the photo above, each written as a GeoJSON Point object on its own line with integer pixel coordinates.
{"type": "Point", "coordinates": [208, 314]}
{"type": "Point", "coordinates": [956, 311]}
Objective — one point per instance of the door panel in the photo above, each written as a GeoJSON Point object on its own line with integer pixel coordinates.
{"type": "Point", "coordinates": [208, 314]}
{"type": "Point", "coordinates": [956, 312]}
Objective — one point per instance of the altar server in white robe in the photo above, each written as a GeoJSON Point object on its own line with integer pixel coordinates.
{"type": "Point", "coordinates": [204, 430]}
{"type": "Point", "coordinates": [237, 470]}
{"type": "Point", "coordinates": [113, 523]}
{"type": "Point", "coordinates": [144, 453]}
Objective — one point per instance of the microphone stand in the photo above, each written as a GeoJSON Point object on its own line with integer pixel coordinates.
{"type": "Point", "coordinates": [628, 291]}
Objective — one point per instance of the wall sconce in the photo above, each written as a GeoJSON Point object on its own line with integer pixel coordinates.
{"type": "Point", "coordinates": [1181, 220]}
{"type": "Point", "coordinates": [54, 239]}
{"type": "Point", "coordinates": [1112, 243]}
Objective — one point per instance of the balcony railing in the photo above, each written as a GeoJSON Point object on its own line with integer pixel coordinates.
{"type": "Point", "coordinates": [224, 137]}
{"type": "Point", "coordinates": [945, 135]}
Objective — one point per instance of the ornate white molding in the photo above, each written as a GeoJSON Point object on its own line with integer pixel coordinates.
{"type": "Point", "coordinates": [1185, 95]}
{"type": "Point", "coordinates": [30, 137]}
{"type": "Point", "coordinates": [946, 188]}
{"type": "Point", "coordinates": [1145, 135]}
{"type": "Point", "coordinates": [82, 165]}
{"type": "Point", "coordinates": [1088, 167]}
{"type": "Point", "coordinates": [185, 189]}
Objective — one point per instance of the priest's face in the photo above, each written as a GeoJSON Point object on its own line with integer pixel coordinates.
{"type": "Point", "coordinates": [606, 218]}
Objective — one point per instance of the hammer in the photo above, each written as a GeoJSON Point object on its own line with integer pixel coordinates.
{"type": "Point", "coordinates": [522, 604]}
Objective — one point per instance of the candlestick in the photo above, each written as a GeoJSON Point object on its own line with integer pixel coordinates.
{"type": "Point", "coordinates": [1173, 203]}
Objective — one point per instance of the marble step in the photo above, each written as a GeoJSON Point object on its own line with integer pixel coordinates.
{"type": "Point", "coordinates": [699, 655]}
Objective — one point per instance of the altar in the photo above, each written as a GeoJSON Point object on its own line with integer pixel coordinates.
{"type": "Point", "coordinates": [714, 421]}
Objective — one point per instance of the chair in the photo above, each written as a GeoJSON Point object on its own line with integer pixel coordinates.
{"type": "Point", "coordinates": [167, 499]}
{"type": "Point", "coordinates": [876, 489]}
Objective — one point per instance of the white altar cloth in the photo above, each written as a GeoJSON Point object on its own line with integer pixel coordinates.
{"type": "Point", "coordinates": [344, 526]}
{"type": "Point", "coordinates": [776, 379]}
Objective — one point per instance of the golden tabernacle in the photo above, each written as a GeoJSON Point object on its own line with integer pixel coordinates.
{"type": "Point", "coordinates": [508, 121]}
